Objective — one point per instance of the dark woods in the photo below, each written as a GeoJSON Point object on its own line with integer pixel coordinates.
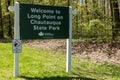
{"type": "Point", "coordinates": [96, 19]}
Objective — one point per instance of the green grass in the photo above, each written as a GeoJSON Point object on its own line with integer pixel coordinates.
{"type": "Point", "coordinates": [38, 64]}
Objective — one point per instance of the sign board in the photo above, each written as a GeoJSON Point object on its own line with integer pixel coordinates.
{"type": "Point", "coordinates": [44, 22]}
{"type": "Point", "coordinates": [16, 46]}
{"type": "Point", "coordinates": [41, 22]}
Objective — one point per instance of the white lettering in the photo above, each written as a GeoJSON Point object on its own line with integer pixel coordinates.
{"type": "Point", "coordinates": [38, 10]}
{"type": "Point", "coordinates": [34, 16]}
{"type": "Point", "coordinates": [57, 12]}
{"type": "Point", "coordinates": [48, 16]}
{"type": "Point", "coordinates": [35, 27]}
{"type": "Point", "coordinates": [44, 22]}
{"type": "Point", "coordinates": [31, 21]}
{"type": "Point", "coordinates": [60, 17]}
{"type": "Point", "coordinates": [54, 28]}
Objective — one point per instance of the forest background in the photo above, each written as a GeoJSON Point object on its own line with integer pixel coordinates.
{"type": "Point", "coordinates": [95, 19]}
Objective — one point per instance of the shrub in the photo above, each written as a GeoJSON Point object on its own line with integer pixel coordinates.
{"type": "Point", "coordinates": [96, 28]}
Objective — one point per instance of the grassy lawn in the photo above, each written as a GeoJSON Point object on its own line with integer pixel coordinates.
{"type": "Point", "coordinates": [38, 64]}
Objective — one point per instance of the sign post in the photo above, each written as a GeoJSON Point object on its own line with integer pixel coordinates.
{"type": "Point", "coordinates": [41, 22]}
{"type": "Point", "coordinates": [69, 43]}
{"type": "Point", "coordinates": [16, 36]}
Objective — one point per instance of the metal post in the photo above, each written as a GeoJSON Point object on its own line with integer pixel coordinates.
{"type": "Point", "coordinates": [69, 43]}
{"type": "Point", "coordinates": [16, 36]}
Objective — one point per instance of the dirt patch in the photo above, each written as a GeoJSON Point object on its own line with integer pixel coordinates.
{"type": "Point", "coordinates": [102, 51]}
{"type": "Point", "coordinates": [48, 44]}
{"type": "Point", "coordinates": [97, 51]}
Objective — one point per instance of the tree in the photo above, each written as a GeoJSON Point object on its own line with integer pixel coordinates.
{"type": "Point", "coordinates": [86, 7]}
{"type": "Point", "coordinates": [69, 1]}
{"type": "Point", "coordinates": [1, 24]}
{"type": "Point", "coordinates": [9, 19]}
{"type": "Point", "coordinates": [115, 18]}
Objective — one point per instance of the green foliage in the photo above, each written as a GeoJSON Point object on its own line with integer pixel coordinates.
{"type": "Point", "coordinates": [96, 28]}
{"type": "Point", "coordinates": [50, 65]}
{"type": "Point", "coordinates": [90, 13]}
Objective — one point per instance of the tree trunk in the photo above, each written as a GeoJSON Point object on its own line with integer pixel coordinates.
{"type": "Point", "coordinates": [1, 24]}
{"type": "Point", "coordinates": [52, 2]}
{"type": "Point", "coordinates": [8, 2]}
{"type": "Point", "coordinates": [86, 6]}
{"type": "Point", "coordinates": [77, 19]}
{"type": "Point", "coordinates": [116, 18]}
{"type": "Point", "coordinates": [94, 7]}
{"type": "Point", "coordinates": [69, 2]}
